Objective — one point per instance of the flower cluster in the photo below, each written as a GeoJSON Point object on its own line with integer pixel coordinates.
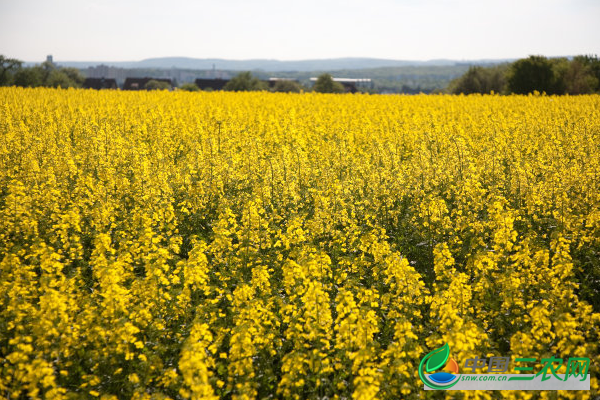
{"type": "Point", "coordinates": [158, 245]}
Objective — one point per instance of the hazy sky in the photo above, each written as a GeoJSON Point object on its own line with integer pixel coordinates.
{"type": "Point", "coordinates": [129, 30]}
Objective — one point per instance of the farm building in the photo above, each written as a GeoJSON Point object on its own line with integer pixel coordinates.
{"type": "Point", "coordinates": [99, 83]}
{"type": "Point", "coordinates": [214, 84]}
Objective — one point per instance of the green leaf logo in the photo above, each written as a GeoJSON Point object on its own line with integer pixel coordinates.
{"type": "Point", "coordinates": [435, 360]}
{"type": "Point", "coordinates": [438, 358]}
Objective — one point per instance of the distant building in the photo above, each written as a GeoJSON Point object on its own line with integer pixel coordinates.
{"type": "Point", "coordinates": [214, 84]}
{"type": "Point", "coordinates": [99, 83]}
{"type": "Point", "coordinates": [140, 83]}
{"type": "Point", "coordinates": [49, 59]}
{"type": "Point", "coordinates": [104, 71]}
{"type": "Point", "coordinates": [351, 85]}
{"type": "Point", "coordinates": [99, 71]}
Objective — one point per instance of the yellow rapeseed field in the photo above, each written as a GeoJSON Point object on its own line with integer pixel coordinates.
{"type": "Point", "coordinates": [160, 245]}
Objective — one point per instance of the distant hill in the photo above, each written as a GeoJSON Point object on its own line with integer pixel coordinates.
{"type": "Point", "coordinates": [273, 65]}
{"type": "Point", "coordinates": [387, 76]}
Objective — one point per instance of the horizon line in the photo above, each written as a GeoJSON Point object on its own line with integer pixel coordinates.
{"type": "Point", "coordinates": [301, 59]}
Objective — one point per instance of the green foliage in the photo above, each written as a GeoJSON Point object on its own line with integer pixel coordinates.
{"type": "Point", "coordinates": [29, 77]}
{"type": "Point", "coordinates": [74, 75]}
{"type": "Point", "coordinates": [64, 79]}
{"type": "Point", "coordinates": [245, 82]}
{"type": "Point", "coordinates": [593, 64]}
{"type": "Point", "coordinates": [581, 75]}
{"type": "Point", "coordinates": [58, 79]}
{"type": "Point", "coordinates": [153, 84]}
{"type": "Point", "coordinates": [287, 86]}
{"type": "Point", "coordinates": [530, 74]}
{"type": "Point", "coordinates": [8, 67]}
{"type": "Point", "coordinates": [480, 80]}
{"type": "Point", "coordinates": [46, 68]}
{"type": "Point", "coordinates": [326, 84]}
{"type": "Point", "coordinates": [189, 87]}
{"type": "Point", "coordinates": [47, 74]}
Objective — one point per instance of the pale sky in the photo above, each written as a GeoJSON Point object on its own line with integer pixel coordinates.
{"type": "Point", "coordinates": [132, 30]}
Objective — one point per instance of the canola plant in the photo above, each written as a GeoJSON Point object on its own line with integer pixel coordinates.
{"type": "Point", "coordinates": [158, 245]}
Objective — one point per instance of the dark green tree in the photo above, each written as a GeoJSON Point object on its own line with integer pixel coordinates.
{"type": "Point", "coordinates": [64, 78]}
{"type": "Point", "coordinates": [591, 64]}
{"type": "Point", "coordinates": [45, 74]}
{"type": "Point", "coordinates": [287, 86]}
{"type": "Point", "coordinates": [479, 80]}
{"type": "Point", "coordinates": [46, 67]}
{"type": "Point", "coordinates": [8, 67]}
{"type": "Point", "coordinates": [532, 73]}
{"type": "Point", "coordinates": [244, 82]}
{"type": "Point", "coordinates": [57, 78]}
{"type": "Point", "coordinates": [74, 75]}
{"type": "Point", "coordinates": [470, 82]}
{"type": "Point", "coordinates": [575, 77]}
{"type": "Point", "coordinates": [29, 77]}
{"type": "Point", "coordinates": [326, 84]}
{"type": "Point", "coordinates": [153, 84]}
{"type": "Point", "coordinates": [189, 87]}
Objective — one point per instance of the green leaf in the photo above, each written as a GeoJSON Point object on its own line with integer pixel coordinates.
{"type": "Point", "coordinates": [438, 359]}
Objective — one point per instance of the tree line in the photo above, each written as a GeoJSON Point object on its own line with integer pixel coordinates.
{"type": "Point", "coordinates": [46, 74]}
{"type": "Point", "coordinates": [579, 75]}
